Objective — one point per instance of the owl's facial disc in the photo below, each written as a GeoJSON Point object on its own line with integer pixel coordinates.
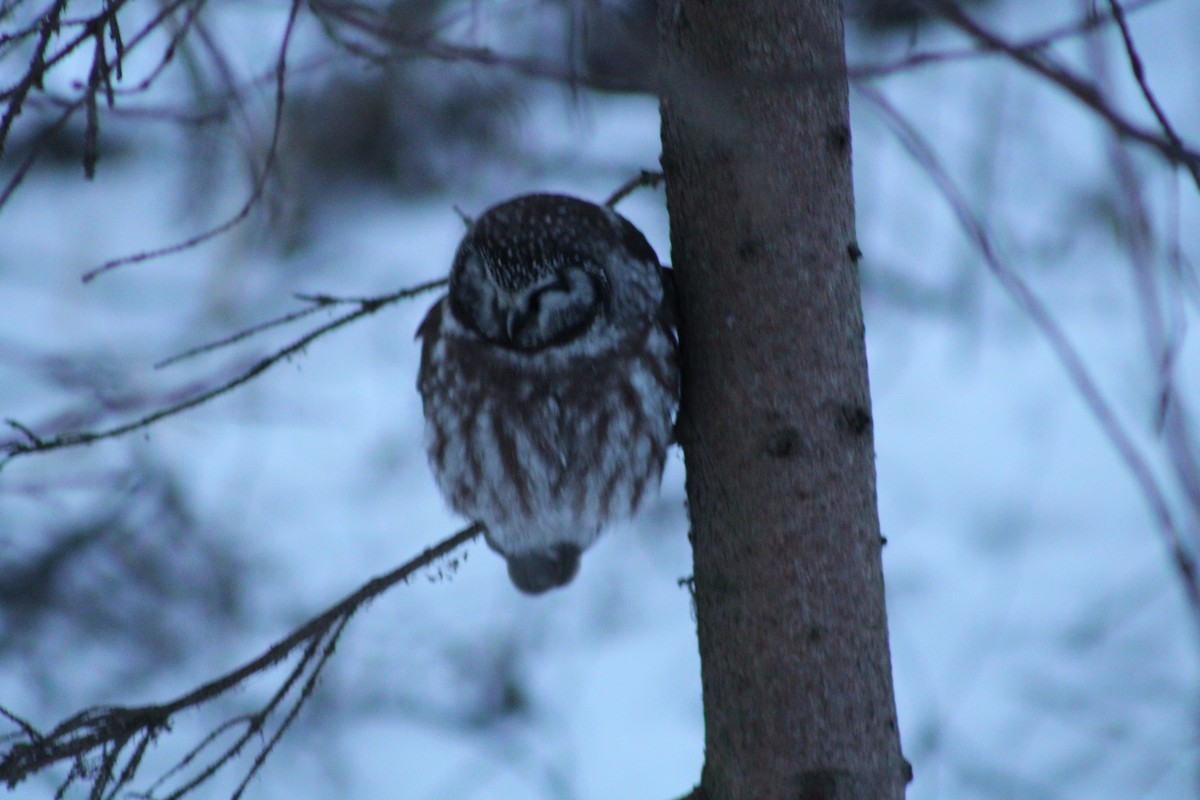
{"type": "Point", "coordinates": [554, 310]}
{"type": "Point", "coordinates": [551, 309]}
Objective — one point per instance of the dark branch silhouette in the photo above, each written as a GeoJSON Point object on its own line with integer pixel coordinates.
{"type": "Point", "coordinates": [291, 316]}
{"type": "Point", "coordinates": [95, 27]}
{"type": "Point", "coordinates": [975, 229]}
{"type": "Point", "coordinates": [383, 42]}
{"type": "Point", "coordinates": [1139, 74]}
{"type": "Point", "coordinates": [1033, 44]}
{"type": "Point", "coordinates": [260, 179]}
{"type": "Point", "coordinates": [318, 302]}
{"type": "Point", "coordinates": [1164, 331]}
{"type": "Point", "coordinates": [646, 179]}
{"type": "Point", "coordinates": [368, 33]}
{"type": "Point", "coordinates": [106, 733]}
{"type": "Point", "coordinates": [366, 306]}
{"type": "Point", "coordinates": [1086, 92]}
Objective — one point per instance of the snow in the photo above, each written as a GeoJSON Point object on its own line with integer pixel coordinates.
{"type": "Point", "coordinates": [1041, 645]}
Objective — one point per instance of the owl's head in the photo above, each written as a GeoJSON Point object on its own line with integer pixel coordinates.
{"type": "Point", "coordinates": [542, 270]}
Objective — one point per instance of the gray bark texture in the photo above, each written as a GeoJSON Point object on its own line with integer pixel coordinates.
{"type": "Point", "coordinates": [776, 421]}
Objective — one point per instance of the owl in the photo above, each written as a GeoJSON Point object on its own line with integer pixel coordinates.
{"type": "Point", "coordinates": [549, 379]}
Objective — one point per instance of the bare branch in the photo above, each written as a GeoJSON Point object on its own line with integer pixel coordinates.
{"type": "Point", "coordinates": [108, 730]}
{"type": "Point", "coordinates": [95, 26]}
{"type": "Point", "coordinates": [1032, 45]}
{"type": "Point", "coordinates": [30, 435]}
{"type": "Point", "coordinates": [260, 181]}
{"type": "Point", "coordinates": [646, 178]}
{"type": "Point", "coordinates": [1139, 74]}
{"type": "Point", "coordinates": [920, 151]}
{"type": "Point", "coordinates": [48, 26]}
{"type": "Point", "coordinates": [291, 316]}
{"type": "Point", "coordinates": [366, 307]}
{"type": "Point", "coordinates": [1084, 91]}
{"type": "Point", "coordinates": [254, 725]}
{"type": "Point", "coordinates": [374, 25]}
{"type": "Point", "coordinates": [305, 693]}
{"type": "Point", "coordinates": [1162, 341]}
{"type": "Point", "coordinates": [27, 729]}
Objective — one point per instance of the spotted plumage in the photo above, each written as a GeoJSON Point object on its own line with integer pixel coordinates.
{"type": "Point", "coordinates": [549, 379]}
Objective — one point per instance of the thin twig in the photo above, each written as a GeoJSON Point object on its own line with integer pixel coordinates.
{"type": "Point", "coordinates": [36, 71]}
{"type": "Point", "coordinates": [25, 726]}
{"type": "Point", "coordinates": [367, 307]}
{"type": "Point", "coordinates": [70, 107]}
{"type": "Point", "coordinates": [402, 45]}
{"type": "Point", "coordinates": [73, 775]}
{"type": "Point", "coordinates": [1173, 424]}
{"type": "Point", "coordinates": [1030, 45]}
{"type": "Point", "coordinates": [1139, 74]}
{"type": "Point", "coordinates": [30, 435]}
{"type": "Point", "coordinates": [644, 179]}
{"type": "Point", "coordinates": [96, 729]}
{"type": "Point", "coordinates": [920, 151]}
{"type": "Point", "coordinates": [260, 181]}
{"type": "Point", "coordinates": [305, 693]}
{"type": "Point", "coordinates": [237, 337]}
{"type": "Point", "coordinates": [1059, 75]}
{"type": "Point", "coordinates": [194, 753]}
{"type": "Point", "coordinates": [257, 721]}
{"type": "Point", "coordinates": [132, 765]}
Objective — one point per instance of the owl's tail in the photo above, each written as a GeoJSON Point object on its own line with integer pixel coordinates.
{"type": "Point", "coordinates": [542, 570]}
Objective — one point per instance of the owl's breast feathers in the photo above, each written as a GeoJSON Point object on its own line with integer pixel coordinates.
{"type": "Point", "coordinates": [545, 447]}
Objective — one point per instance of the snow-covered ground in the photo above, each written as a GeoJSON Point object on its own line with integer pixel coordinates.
{"type": "Point", "coordinates": [1041, 644]}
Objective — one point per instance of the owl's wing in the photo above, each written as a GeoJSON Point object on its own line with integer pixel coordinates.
{"type": "Point", "coordinates": [429, 331]}
{"type": "Point", "coordinates": [432, 321]}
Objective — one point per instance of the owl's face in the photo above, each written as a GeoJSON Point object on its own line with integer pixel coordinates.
{"type": "Point", "coordinates": [544, 270]}
{"type": "Point", "coordinates": [550, 303]}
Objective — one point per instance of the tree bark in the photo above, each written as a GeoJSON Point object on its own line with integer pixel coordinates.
{"type": "Point", "coordinates": [776, 420]}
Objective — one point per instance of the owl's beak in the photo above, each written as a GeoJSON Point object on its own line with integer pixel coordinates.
{"type": "Point", "coordinates": [515, 320]}
{"type": "Point", "coordinates": [510, 323]}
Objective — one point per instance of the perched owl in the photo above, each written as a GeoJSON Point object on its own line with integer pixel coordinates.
{"type": "Point", "coordinates": [549, 379]}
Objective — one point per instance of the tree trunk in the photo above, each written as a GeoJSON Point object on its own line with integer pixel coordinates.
{"type": "Point", "coordinates": [776, 417]}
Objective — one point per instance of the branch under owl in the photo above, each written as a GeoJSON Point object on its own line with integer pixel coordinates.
{"type": "Point", "coordinates": [31, 442]}
{"type": "Point", "coordinates": [105, 746]}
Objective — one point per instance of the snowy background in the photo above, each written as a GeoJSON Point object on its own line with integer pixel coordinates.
{"type": "Point", "coordinates": [1042, 646]}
